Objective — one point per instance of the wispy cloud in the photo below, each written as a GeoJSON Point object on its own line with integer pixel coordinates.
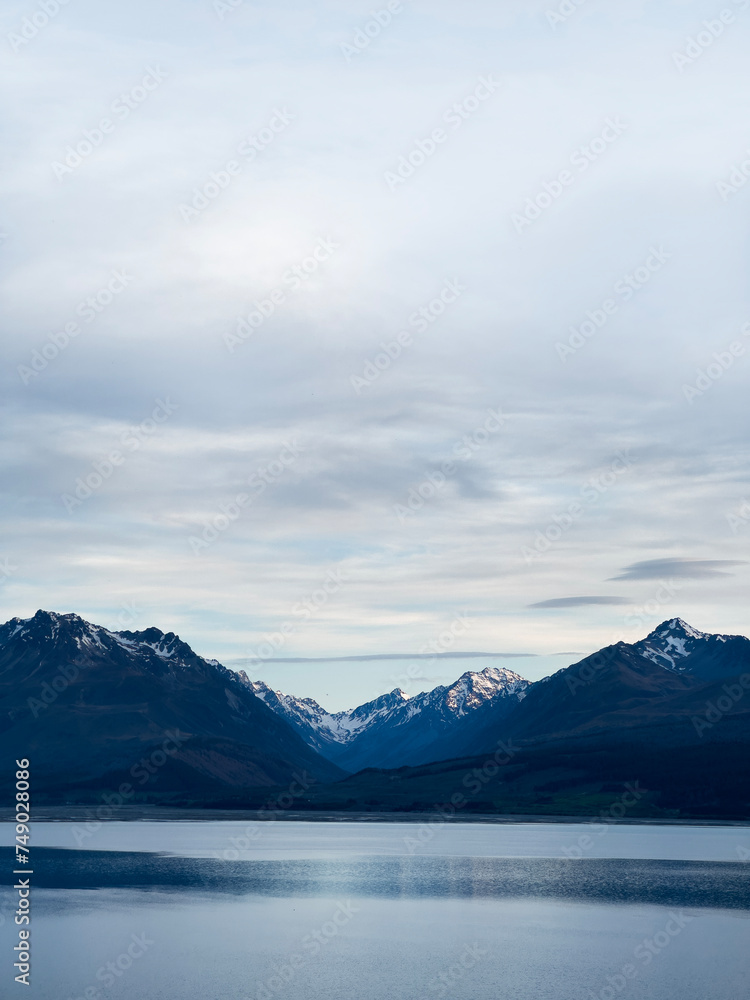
{"type": "Point", "coordinates": [691, 569]}
{"type": "Point", "coordinates": [578, 602]}
{"type": "Point", "coordinates": [395, 656]}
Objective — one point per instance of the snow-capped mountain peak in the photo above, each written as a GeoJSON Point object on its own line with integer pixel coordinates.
{"type": "Point", "coordinates": [674, 645]}
{"type": "Point", "coordinates": [393, 716]}
{"type": "Point", "coordinates": [676, 629]}
{"type": "Point", "coordinates": [474, 689]}
{"type": "Point", "coordinates": [168, 645]}
{"type": "Point", "coordinates": [52, 627]}
{"type": "Point", "coordinates": [72, 636]}
{"type": "Point", "coordinates": [330, 727]}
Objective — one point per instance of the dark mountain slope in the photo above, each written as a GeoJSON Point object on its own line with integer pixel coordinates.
{"type": "Point", "coordinates": [627, 686]}
{"type": "Point", "coordinates": [93, 708]}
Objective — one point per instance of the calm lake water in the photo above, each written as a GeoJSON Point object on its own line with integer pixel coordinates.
{"type": "Point", "coordinates": [306, 911]}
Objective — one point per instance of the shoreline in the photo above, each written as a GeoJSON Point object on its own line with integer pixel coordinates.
{"type": "Point", "coordinates": [165, 814]}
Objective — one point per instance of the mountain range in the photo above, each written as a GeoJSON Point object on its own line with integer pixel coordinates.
{"type": "Point", "coordinates": [394, 729]}
{"type": "Point", "coordinates": [95, 709]}
{"type": "Point", "coordinates": [140, 717]}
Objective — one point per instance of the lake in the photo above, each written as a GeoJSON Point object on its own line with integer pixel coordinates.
{"type": "Point", "coordinates": [379, 911]}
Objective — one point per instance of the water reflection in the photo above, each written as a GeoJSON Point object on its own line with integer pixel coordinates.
{"type": "Point", "coordinates": [658, 882]}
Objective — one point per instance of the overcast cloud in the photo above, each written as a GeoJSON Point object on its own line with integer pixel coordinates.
{"type": "Point", "coordinates": [568, 409]}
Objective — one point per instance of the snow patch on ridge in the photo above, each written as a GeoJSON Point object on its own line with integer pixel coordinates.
{"type": "Point", "coordinates": [673, 642]}
{"type": "Point", "coordinates": [470, 691]}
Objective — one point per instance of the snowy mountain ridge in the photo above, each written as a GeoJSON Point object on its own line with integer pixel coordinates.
{"type": "Point", "coordinates": [430, 711]}
{"type": "Point", "coordinates": [672, 643]}
{"type": "Point", "coordinates": [396, 729]}
{"type": "Point", "coordinates": [78, 637]}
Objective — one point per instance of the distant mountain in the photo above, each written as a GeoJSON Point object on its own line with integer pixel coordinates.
{"type": "Point", "coordinates": [657, 728]}
{"type": "Point", "coordinates": [327, 732]}
{"type": "Point", "coordinates": [665, 680]}
{"type": "Point", "coordinates": [93, 709]}
{"type": "Point", "coordinates": [660, 682]}
{"type": "Point", "coordinates": [677, 646]}
{"type": "Point", "coordinates": [394, 730]}
{"type": "Point", "coordinates": [671, 775]}
{"type": "Point", "coordinates": [98, 711]}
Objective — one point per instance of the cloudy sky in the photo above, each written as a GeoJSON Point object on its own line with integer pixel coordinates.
{"type": "Point", "coordinates": [328, 334]}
